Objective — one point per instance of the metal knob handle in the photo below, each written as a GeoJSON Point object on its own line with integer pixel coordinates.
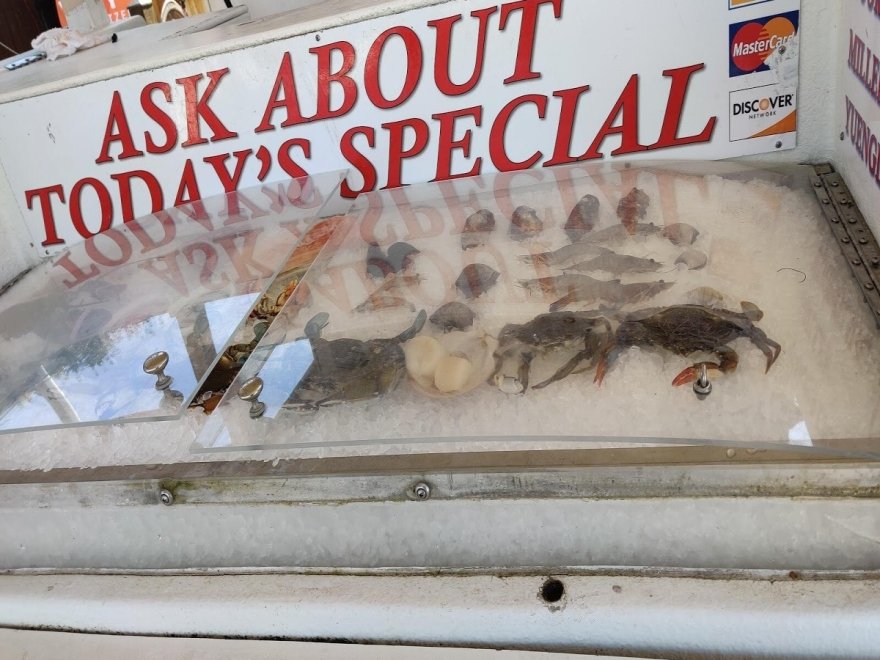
{"type": "Point", "coordinates": [702, 385]}
{"type": "Point", "coordinates": [250, 391]}
{"type": "Point", "coordinates": [155, 366]}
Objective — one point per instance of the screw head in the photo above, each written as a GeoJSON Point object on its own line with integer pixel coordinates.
{"type": "Point", "coordinates": [166, 497]}
{"type": "Point", "coordinates": [421, 491]}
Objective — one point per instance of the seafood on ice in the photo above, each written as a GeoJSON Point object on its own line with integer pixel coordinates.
{"type": "Point", "coordinates": [687, 329]}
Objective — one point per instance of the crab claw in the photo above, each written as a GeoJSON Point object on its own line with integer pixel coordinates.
{"type": "Point", "coordinates": [607, 358]}
{"type": "Point", "coordinates": [601, 370]}
{"type": "Point", "coordinates": [691, 374]}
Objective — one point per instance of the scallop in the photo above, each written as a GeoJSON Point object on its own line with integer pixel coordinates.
{"type": "Point", "coordinates": [452, 373]}
{"type": "Point", "coordinates": [680, 233]}
{"type": "Point", "coordinates": [692, 258]}
{"type": "Point", "coordinates": [467, 363]}
{"type": "Point", "coordinates": [477, 228]}
{"type": "Point", "coordinates": [583, 217]}
{"type": "Point", "coordinates": [423, 354]}
{"type": "Point", "coordinates": [632, 208]}
{"type": "Point", "coordinates": [453, 316]}
{"type": "Point", "coordinates": [476, 279]}
{"type": "Point", "coordinates": [525, 223]}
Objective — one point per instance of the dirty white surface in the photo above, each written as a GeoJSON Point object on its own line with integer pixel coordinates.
{"type": "Point", "coordinates": [823, 386]}
{"type": "Point", "coordinates": [29, 643]}
{"type": "Point", "coordinates": [646, 617]}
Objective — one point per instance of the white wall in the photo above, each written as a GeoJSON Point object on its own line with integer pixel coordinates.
{"type": "Point", "coordinates": [820, 34]}
{"type": "Point", "coordinates": [865, 190]}
{"type": "Point", "coordinates": [16, 250]}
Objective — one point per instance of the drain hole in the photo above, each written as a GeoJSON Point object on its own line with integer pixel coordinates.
{"type": "Point", "coordinates": [552, 590]}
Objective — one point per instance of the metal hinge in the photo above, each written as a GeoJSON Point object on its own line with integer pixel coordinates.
{"type": "Point", "coordinates": [854, 238]}
{"type": "Point", "coordinates": [24, 59]}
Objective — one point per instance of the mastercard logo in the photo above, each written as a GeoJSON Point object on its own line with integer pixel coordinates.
{"type": "Point", "coordinates": [753, 42]}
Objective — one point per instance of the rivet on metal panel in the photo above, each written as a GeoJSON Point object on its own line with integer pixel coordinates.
{"type": "Point", "coordinates": [851, 220]}
{"type": "Point", "coordinates": [845, 239]}
{"type": "Point", "coordinates": [817, 184]}
{"type": "Point", "coordinates": [863, 241]}
{"type": "Point", "coordinates": [779, 144]}
{"type": "Point", "coordinates": [730, 453]}
{"type": "Point", "coordinates": [826, 201]}
{"type": "Point", "coordinates": [835, 183]}
{"type": "Point", "coordinates": [155, 366]}
{"type": "Point", "coordinates": [856, 262]}
{"type": "Point", "coordinates": [869, 286]}
{"type": "Point", "coordinates": [835, 220]}
{"type": "Point", "coordinates": [875, 261]}
{"type": "Point", "coordinates": [419, 491]}
{"type": "Point", "coordinates": [166, 497]}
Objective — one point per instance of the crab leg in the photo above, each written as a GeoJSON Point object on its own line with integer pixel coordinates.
{"type": "Point", "coordinates": [524, 368]}
{"type": "Point", "coordinates": [568, 368]}
{"type": "Point", "coordinates": [499, 362]}
{"type": "Point", "coordinates": [606, 360]}
{"type": "Point", "coordinates": [728, 363]}
{"type": "Point", "coordinates": [768, 347]}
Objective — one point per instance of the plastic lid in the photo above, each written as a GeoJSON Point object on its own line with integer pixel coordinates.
{"type": "Point", "coordinates": [671, 303]}
{"type": "Point", "coordinates": [127, 324]}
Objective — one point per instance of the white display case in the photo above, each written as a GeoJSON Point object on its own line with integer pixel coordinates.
{"type": "Point", "coordinates": [444, 501]}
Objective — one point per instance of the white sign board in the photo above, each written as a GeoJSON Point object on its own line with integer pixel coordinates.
{"type": "Point", "coordinates": [859, 156]}
{"type": "Point", "coordinates": [449, 90]}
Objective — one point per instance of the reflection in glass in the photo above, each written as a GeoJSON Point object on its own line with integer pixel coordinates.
{"type": "Point", "coordinates": [224, 316]}
{"type": "Point", "coordinates": [76, 331]}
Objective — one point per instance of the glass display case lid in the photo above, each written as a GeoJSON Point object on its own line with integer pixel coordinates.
{"type": "Point", "coordinates": [128, 324]}
{"type": "Point", "coordinates": [649, 303]}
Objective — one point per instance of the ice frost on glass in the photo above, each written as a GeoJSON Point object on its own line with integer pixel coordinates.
{"type": "Point", "coordinates": [473, 310]}
{"type": "Point", "coordinates": [76, 331]}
